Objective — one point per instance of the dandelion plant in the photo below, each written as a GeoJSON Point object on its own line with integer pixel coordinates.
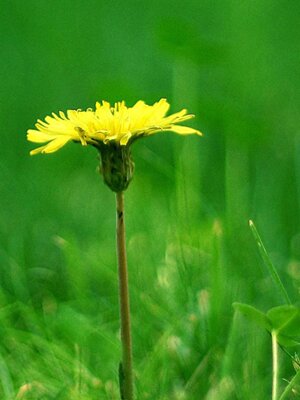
{"type": "Point", "coordinates": [112, 131]}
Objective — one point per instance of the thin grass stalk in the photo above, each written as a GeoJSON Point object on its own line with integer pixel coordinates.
{"type": "Point", "coordinates": [274, 367]}
{"type": "Point", "coordinates": [272, 270]}
{"type": "Point", "coordinates": [126, 369]}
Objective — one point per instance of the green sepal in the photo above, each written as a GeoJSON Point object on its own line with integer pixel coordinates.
{"type": "Point", "coordinates": [117, 166]}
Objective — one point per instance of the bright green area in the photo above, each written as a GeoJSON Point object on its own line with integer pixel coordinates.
{"type": "Point", "coordinates": [233, 63]}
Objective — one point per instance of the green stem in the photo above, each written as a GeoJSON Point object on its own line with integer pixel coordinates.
{"type": "Point", "coordinates": [126, 373]}
{"type": "Point", "coordinates": [275, 366]}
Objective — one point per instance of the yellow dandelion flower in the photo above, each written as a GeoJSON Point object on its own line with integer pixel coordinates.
{"type": "Point", "coordinates": [119, 124]}
{"type": "Point", "coordinates": [111, 130]}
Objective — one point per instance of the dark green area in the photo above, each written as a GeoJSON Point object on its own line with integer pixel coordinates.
{"type": "Point", "coordinates": [235, 64]}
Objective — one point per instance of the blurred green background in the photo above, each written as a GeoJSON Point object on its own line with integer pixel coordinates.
{"type": "Point", "coordinates": [235, 64]}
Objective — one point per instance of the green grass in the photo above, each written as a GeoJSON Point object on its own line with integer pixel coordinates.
{"type": "Point", "coordinates": [59, 314]}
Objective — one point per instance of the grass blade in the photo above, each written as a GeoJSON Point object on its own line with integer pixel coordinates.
{"type": "Point", "coordinates": [290, 386]}
{"type": "Point", "coordinates": [268, 262]}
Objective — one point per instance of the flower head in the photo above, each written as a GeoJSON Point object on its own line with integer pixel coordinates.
{"type": "Point", "coordinates": [111, 130]}
{"type": "Point", "coordinates": [106, 124]}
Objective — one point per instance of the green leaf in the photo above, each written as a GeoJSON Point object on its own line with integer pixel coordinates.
{"type": "Point", "coordinates": [285, 322]}
{"type": "Point", "coordinates": [285, 318]}
{"type": "Point", "coordinates": [253, 314]}
{"type": "Point", "coordinates": [287, 341]}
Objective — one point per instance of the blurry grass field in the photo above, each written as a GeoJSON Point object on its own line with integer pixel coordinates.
{"type": "Point", "coordinates": [191, 253]}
